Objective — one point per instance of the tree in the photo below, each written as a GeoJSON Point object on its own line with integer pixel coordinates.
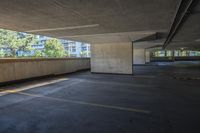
{"type": "Point", "coordinates": [26, 42]}
{"type": "Point", "coordinates": [38, 53]}
{"type": "Point", "coordinates": [54, 48]}
{"type": "Point", "coordinates": [2, 53]}
{"type": "Point", "coordinates": [10, 41]}
{"type": "Point", "coordinates": [85, 54]}
{"type": "Point", "coordinates": [67, 54]}
{"type": "Point", "coordinates": [15, 41]}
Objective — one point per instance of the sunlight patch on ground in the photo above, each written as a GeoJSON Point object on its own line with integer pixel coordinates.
{"type": "Point", "coordinates": [6, 91]}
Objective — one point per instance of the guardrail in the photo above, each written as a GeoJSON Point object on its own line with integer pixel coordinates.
{"type": "Point", "coordinates": [171, 59]}
{"type": "Point", "coordinates": [19, 69]}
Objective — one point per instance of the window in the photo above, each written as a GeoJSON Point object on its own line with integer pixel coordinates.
{"type": "Point", "coordinates": [73, 48]}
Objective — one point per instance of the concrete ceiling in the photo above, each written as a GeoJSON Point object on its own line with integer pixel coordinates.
{"type": "Point", "coordinates": [92, 21]}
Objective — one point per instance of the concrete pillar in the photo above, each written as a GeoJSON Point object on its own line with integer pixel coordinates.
{"type": "Point", "coordinates": [113, 58]}
{"type": "Point", "coordinates": [139, 56]}
{"type": "Point", "coordinates": [147, 56]}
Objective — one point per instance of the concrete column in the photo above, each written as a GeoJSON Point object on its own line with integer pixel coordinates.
{"type": "Point", "coordinates": [147, 56]}
{"type": "Point", "coordinates": [112, 58]}
{"type": "Point", "coordinates": [139, 56]}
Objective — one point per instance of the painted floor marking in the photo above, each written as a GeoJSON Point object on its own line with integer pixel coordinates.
{"type": "Point", "coordinates": [27, 87]}
{"type": "Point", "coordinates": [88, 103]}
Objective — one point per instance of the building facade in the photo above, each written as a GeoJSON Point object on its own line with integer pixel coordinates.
{"type": "Point", "coordinates": [74, 49]}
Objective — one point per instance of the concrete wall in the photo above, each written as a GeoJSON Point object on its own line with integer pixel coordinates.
{"type": "Point", "coordinates": [17, 69]}
{"type": "Point", "coordinates": [138, 56]}
{"type": "Point", "coordinates": [112, 58]}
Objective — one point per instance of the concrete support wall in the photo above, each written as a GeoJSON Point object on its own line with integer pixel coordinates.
{"type": "Point", "coordinates": [112, 58]}
{"type": "Point", "coordinates": [17, 69]}
{"type": "Point", "coordinates": [138, 56]}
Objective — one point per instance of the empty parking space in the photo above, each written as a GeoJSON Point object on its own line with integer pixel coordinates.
{"type": "Point", "coordinates": [84, 102]}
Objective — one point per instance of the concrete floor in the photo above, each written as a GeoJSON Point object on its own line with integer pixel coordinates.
{"type": "Point", "coordinates": [155, 100]}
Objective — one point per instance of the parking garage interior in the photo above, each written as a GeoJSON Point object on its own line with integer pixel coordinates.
{"type": "Point", "coordinates": [143, 75]}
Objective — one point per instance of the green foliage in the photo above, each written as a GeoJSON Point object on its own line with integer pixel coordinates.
{"type": "Point", "coordinates": [54, 48]}
{"type": "Point", "coordinates": [67, 54]}
{"type": "Point", "coordinates": [38, 53]}
{"type": "Point", "coordinates": [27, 42]}
{"type": "Point", "coordinates": [15, 44]}
{"type": "Point", "coordinates": [2, 53]}
{"type": "Point", "coordinates": [15, 41]}
{"type": "Point", "coordinates": [198, 53]}
{"type": "Point", "coordinates": [9, 40]}
{"type": "Point", "coordinates": [84, 53]}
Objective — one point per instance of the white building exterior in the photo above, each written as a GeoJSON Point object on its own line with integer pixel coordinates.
{"type": "Point", "coordinates": [74, 49]}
